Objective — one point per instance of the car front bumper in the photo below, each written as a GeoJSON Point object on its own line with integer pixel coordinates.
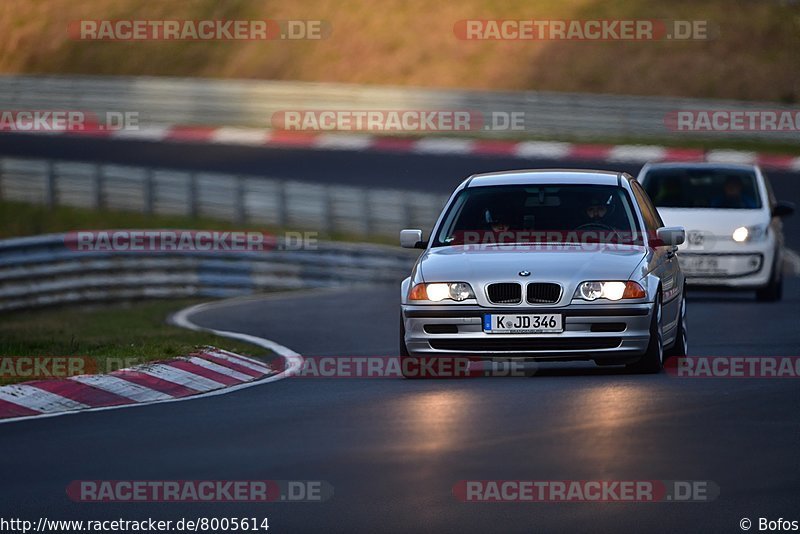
{"type": "Point", "coordinates": [598, 332]}
{"type": "Point", "coordinates": [742, 267]}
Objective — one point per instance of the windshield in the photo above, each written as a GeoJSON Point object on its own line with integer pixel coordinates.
{"type": "Point", "coordinates": [541, 213]}
{"type": "Point", "coordinates": [703, 188]}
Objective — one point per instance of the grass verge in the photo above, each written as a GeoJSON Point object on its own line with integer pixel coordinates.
{"type": "Point", "coordinates": [110, 336]}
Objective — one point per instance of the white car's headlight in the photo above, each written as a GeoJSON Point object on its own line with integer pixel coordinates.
{"type": "Point", "coordinates": [611, 290]}
{"type": "Point", "coordinates": [439, 291]}
{"type": "Point", "coordinates": [750, 233]}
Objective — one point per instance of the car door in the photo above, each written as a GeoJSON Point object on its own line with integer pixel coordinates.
{"type": "Point", "coordinates": [665, 263]}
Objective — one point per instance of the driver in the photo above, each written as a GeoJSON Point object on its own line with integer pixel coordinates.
{"type": "Point", "coordinates": [497, 220]}
{"type": "Point", "coordinates": [597, 210]}
{"type": "Point", "coordinates": [733, 195]}
{"type": "Point", "coordinates": [599, 225]}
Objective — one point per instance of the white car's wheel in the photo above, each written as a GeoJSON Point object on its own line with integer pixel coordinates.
{"type": "Point", "coordinates": [773, 291]}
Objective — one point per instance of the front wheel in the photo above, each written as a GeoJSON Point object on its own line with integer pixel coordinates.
{"type": "Point", "coordinates": [403, 348]}
{"type": "Point", "coordinates": [681, 347]}
{"type": "Point", "coordinates": [773, 291]}
{"type": "Point", "coordinates": [653, 359]}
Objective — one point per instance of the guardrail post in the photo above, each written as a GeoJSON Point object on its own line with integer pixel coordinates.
{"type": "Point", "coordinates": [50, 185]}
{"type": "Point", "coordinates": [149, 191]}
{"type": "Point", "coordinates": [98, 182]}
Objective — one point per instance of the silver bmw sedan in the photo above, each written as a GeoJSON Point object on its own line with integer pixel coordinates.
{"type": "Point", "coordinates": [547, 265]}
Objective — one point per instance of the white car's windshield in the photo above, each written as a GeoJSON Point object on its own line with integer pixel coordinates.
{"type": "Point", "coordinates": [703, 188]}
{"type": "Point", "coordinates": [540, 213]}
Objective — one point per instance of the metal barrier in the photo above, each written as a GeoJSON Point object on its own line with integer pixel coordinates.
{"type": "Point", "coordinates": [245, 200]}
{"type": "Point", "coordinates": [252, 103]}
{"type": "Point", "coordinates": [42, 270]}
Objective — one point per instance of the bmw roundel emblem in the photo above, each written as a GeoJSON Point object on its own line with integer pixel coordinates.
{"type": "Point", "coordinates": [524, 273]}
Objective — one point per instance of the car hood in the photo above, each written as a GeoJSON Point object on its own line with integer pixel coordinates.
{"type": "Point", "coordinates": [568, 265]}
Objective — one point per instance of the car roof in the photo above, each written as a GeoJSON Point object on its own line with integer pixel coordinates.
{"type": "Point", "coordinates": [545, 176]}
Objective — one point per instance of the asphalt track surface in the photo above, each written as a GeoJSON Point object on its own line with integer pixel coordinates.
{"type": "Point", "coordinates": [393, 449]}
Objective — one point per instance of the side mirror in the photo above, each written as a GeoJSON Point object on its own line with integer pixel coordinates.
{"type": "Point", "coordinates": [782, 209]}
{"type": "Point", "coordinates": [671, 236]}
{"type": "Point", "coordinates": [412, 239]}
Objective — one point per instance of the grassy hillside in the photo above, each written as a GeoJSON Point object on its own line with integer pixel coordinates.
{"type": "Point", "coordinates": [411, 42]}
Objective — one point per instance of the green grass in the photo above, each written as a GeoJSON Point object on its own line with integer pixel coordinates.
{"type": "Point", "coordinates": [111, 335]}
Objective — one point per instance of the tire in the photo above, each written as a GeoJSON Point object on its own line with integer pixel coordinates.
{"type": "Point", "coordinates": [653, 359]}
{"type": "Point", "coordinates": [403, 348]}
{"type": "Point", "coordinates": [680, 348]}
{"type": "Point", "coordinates": [773, 291]}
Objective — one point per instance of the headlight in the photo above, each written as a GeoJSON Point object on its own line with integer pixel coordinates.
{"type": "Point", "coordinates": [740, 234]}
{"type": "Point", "coordinates": [439, 291]}
{"type": "Point", "coordinates": [611, 290]}
{"type": "Point", "coordinates": [749, 233]}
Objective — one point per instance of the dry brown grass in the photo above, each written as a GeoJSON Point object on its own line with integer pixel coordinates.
{"type": "Point", "coordinates": [410, 42]}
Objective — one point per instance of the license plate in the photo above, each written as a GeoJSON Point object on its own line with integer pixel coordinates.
{"type": "Point", "coordinates": [700, 265]}
{"type": "Point", "coordinates": [537, 323]}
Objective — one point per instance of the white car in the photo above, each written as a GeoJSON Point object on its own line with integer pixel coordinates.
{"type": "Point", "coordinates": [734, 236]}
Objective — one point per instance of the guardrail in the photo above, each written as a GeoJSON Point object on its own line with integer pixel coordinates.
{"type": "Point", "coordinates": [42, 270]}
{"type": "Point", "coordinates": [252, 103]}
{"type": "Point", "coordinates": [244, 200]}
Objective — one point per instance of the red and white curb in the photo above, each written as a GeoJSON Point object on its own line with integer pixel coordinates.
{"type": "Point", "coordinates": [437, 145]}
{"type": "Point", "coordinates": [209, 372]}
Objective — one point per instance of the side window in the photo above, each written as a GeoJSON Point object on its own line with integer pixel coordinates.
{"type": "Point", "coordinates": [651, 218]}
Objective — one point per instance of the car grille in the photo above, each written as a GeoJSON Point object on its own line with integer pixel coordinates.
{"type": "Point", "coordinates": [525, 344]}
{"type": "Point", "coordinates": [543, 293]}
{"type": "Point", "coordinates": [504, 293]}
